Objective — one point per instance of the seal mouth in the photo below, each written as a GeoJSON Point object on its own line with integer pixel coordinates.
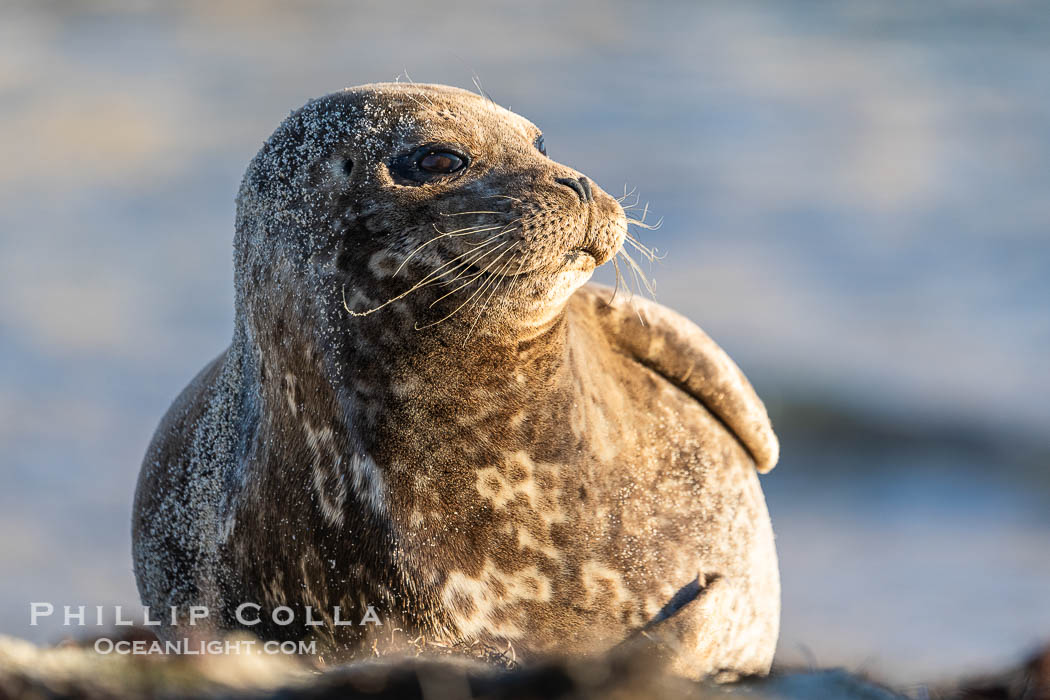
{"type": "Point", "coordinates": [583, 257]}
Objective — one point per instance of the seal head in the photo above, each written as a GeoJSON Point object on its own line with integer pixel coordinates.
{"type": "Point", "coordinates": [431, 188]}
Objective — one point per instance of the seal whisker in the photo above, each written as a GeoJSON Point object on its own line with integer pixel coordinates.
{"type": "Point", "coordinates": [638, 272]}
{"type": "Point", "coordinates": [442, 234]}
{"type": "Point", "coordinates": [645, 214]}
{"type": "Point", "coordinates": [459, 269]}
{"type": "Point", "coordinates": [642, 224]}
{"type": "Point", "coordinates": [475, 249]}
{"type": "Point", "coordinates": [464, 266]}
{"type": "Point", "coordinates": [475, 246]}
{"type": "Point", "coordinates": [414, 84]}
{"type": "Point", "coordinates": [429, 279]}
{"type": "Point", "coordinates": [650, 253]}
{"type": "Point", "coordinates": [633, 193]}
{"type": "Point", "coordinates": [476, 228]}
{"type": "Point", "coordinates": [463, 270]}
{"type": "Point", "coordinates": [516, 282]}
{"type": "Point", "coordinates": [619, 279]}
{"type": "Point", "coordinates": [445, 235]}
{"type": "Point", "coordinates": [517, 273]}
{"type": "Point", "coordinates": [472, 295]}
{"type": "Point", "coordinates": [499, 277]}
{"type": "Point", "coordinates": [489, 284]}
{"type": "Point", "coordinates": [477, 83]}
{"type": "Point", "coordinates": [630, 299]}
{"type": "Point", "coordinates": [467, 230]}
{"type": "Point", "coordinates": [472, 278]}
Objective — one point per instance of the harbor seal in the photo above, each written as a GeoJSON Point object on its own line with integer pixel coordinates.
{"type": "Point", "coordinates": [427, 416]}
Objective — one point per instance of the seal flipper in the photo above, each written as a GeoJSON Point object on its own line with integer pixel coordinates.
{"type": "Point", "coordinates": [674, 636]}
{"type": "Point", "coordinates": [674, 347]}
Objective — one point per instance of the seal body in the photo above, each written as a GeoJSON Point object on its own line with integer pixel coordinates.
{"type": "Point", "coordinates": [425, 410]}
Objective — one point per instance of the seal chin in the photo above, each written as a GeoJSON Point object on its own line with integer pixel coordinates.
{"type": "Point", "coordinates": [563, 284]}
{"type": "Point", "coordinates": [582, 259]}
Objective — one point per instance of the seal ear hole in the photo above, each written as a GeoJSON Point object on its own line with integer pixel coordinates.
{"type": "Point", "coordinates": [341, 166]}
{"type": "Point", "coordinates": [330, 171]}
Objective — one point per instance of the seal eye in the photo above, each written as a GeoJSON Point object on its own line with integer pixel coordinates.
{"type": "Point", "coordinates": [435, 162]}
{"type": "Point", "coordinates": [539, 145]}
{"type": "Point", "coordinates": [441, 162]}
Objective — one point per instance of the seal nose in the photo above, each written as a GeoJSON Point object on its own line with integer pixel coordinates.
{"type": "Point", "coordinates": [580, 185]}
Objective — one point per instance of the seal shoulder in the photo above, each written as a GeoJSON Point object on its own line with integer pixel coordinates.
{"type": "Point", "coordinates": [163, 480]}
{"type": "Point", "coordinates": [172, 434]}
{"type": "Point", "coordinates": [677, 349]}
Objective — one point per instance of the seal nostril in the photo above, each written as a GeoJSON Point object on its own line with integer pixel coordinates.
{"type": "Point", "coordinates": [581, 186]}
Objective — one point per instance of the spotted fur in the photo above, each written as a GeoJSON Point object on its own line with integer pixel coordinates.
{"type": "Point", "coordinates": [539, 464]}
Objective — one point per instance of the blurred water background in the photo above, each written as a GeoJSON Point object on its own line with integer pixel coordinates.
{"type": "Point", "coordinates": [854, 200]}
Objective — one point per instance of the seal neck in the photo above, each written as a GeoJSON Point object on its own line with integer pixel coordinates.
{"type": "Point", "coordinates": [393, 375]}
{"type": "Point", "coordinates": [455, 353]}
